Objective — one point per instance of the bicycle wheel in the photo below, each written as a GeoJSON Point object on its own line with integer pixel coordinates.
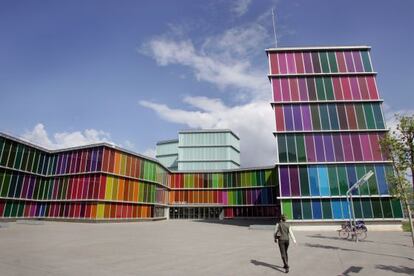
{"type": "Point", "coordinates": [343, 233]}
{"type": "Point", "coordinates": [362, 235]}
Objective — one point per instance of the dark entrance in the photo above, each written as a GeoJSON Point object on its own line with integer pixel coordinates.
{"type": "Point", "coordinates": [195, 212]}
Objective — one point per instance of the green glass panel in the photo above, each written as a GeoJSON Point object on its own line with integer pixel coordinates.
{"type": "Point", "coordinates": [292, 156]}
{"type": "Point", "coordinates": [297, 209]}
{"type": "Point", "coordinates": [287, 208]}
{"type": "Point", "coordinates": [342, 180]}
{"type": "Point", "coordinates": [15, 206]}
{"type": "Point", "coordinates": [366, 207]}
{"type": "Point", "coordinates": [19, 157]}
{"type": "Point", "coordinates": [357, 208]}
{"type": "Point", "coordinates": [12, 188]}
{"type": "Point", "coordinates": [372, 182]}
{"type": "Point", "coordinates": [50, 191]}
{"type": "Point", "coordinates": [35, 161]}
{"type": "Point", "coordinates": [30, 160]}
{"type": "Point", "coordinates": [215, 180]}
{"type": "Point", "coordinates": [12, 155]}
{"type": "Point", "coordinates": [333, 180]}
{"type": "Point", "coordinates": [6, 184]}
{"type": "Point", "coordinates": [329, 88]}
{"type": "Point", "coordinates": [376, 208]}
{"type": "Point", "coordinates": [386, 207]}
{"type": "Point", "coordinates": [379, 120]}
{"type": "Point", "coordinates": [115, 188]}
{"type": "Point", "coordinates": [360, 116]}
{"type": "Point", "coordinates": [366, 61]}
{"type": "Point", "coordinates": [300, 144]}
{"type": "Point", "coordinates": [315, 117]}
{"type": "Point", "coordinates": [5, 153]}
{"type": "Point", "coordinates": [2, 177]}
{"type": "Point", "coordinates": [20, 210]}
{"type": "Point", "coordinates": [324, 117]}
{"type": "Point", "coordinates": [326, 209]}
{"type": "Point", "coordinates": [324, 62]}
{"type": "Point", "coordinates": [220, 180]}
{"type": "Point", "coordinates": [363, 189]}
{"type": "Point", "coordinates": [332, 62]}
{"type": "Point", "coordinates": [2, 143]}
{"type": "Point", "coordinates": [7, 209]}
{"type": "Point", "coordinates": [304, 181]}
{"type": "Point", "coordinates": [320, 90]}
{"type": "Point", "coordinates": [281, 142]}
{"type": "Point", "coordinates": [369, 116]}
{"type": "Point", "coordinates": [307, 209]}
{"type": "Point", "coordinates": [19, 186]}
{"type": "Point", "coordinates": [396, 208]}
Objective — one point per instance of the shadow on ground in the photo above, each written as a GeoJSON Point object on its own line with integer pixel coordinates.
{"type": "Point", "coordinates": [239, 222]}
{"type": "Point", "coordinates": [319, 236]}
{"type": "Point", "coordinates": [396, 269]}
{"type": "Point", "coordinates": [275, 267]}
{"type": "Point", "coordinates": [313, 245]}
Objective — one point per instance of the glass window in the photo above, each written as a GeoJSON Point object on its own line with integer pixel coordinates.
{"type": "Point", "coordinates": [372, 87]}
{"type": "Point", "coordinates": [303, 89]}
{"type": "Point", "coordinates": [324, 117]}
{"type": "Point", "coordinates": [333, 180]}
{"type": "Point", "coordinates": [341, 61]}
{"type": "Point", "coordinates": [354, 88]}
{"type": "Point", "coordinates": [316, 209]}
{"type": "Point", "coordinates": [342, 116]}
{"type": "Point", "coordinates": [306, 116]}
{"type": "Point", "coordinates": [324, 62]}
{"type": "Point", "coordinates": [337, 88]}
{"type": "Point", "coordinates": [288, 117]}
{"type": "Point", "coordinates": [326, 209]}
{"type": "Point", "coordinates": [319, 148]}
{"type": "Point", "coordinates": [299, 63]}
{"type": "Point", "coordinates": [337, 144]}
{"type": "Point", "coordinates": [291, 63]}
{"type": "Point", "coordinates": [333, 117]}
{"type": "Point", "coordinates": [284, 181]}
{"type": "Point", "coordinates": [363, 88]}
{"type": "Point", "coordinates": [308, 62]}
{"type": "Point", "coordinates": [315, 117]}
{"type": "Point", "coordinates": [349, 61]}
{"type": "Point", "coordinates": [369, 115]}
{"type": "Point", "coordinates": [277, 90]}
{"type": "Point", "coordinates": [307, 209]}
{"type": "Point", "coordinates": [366, 61]}
{"type": "Point", "coordinates": [346, 143]}
{"type": "Point", "coordinates": [280, 124]}
{"type": "Point", "coordinates": [352, 123]}
{"type": "Point", "coordinates": [360, 116]}
{"type": "Point", "coordinates": [287, 208]}
{"type": "Point", "coordinates": [320, 89]}
{"type": "Point", "coordinates": [294, 89]}
{"type": "Point", "coordinates": [346, 89]}
{"type": "Point", "coordinates": [366, 207]}
{"type": "Point", "coordinates": [396, 208]}
{"type": "Point", "coordinates": [323, 180]}
{"type": "Point", "coordinates": [292, 155]}
{"type": "Point", "coordinates": [282, 63]}
{"type": "Point", "coordinates": [310, 148]}
{"type": "Point", "coordinates": [315, 62]}
{"type": "Point", "coordinates": [328, 88]}
{"type": "Point", "coordinates": [376, 208]}
{"type": "Point", "coordinates": [332, 62]}
{"type": "Point", "coordinates": [304, 183]}
{"type": "Point", "coordinates": [329, 150]}
{"type": "Point", "coordinates": [297, 209]}
{"type": "Point", "coordinates": [311, 89]}
{"type": "Point", "coordinates": [379, 120]}
{"type": "Point", "coordinates": [297, 117]}
{"type": "Point", "coordinates": [285, 89]}
{"type": "Point", "coordinates": [380, 173]}
{"type": "Point", "coordinates": [386, 207]}
{"type": "Point", "coordinates": [294, 181]}
{"type": "Point", "coordinates": [274, 67]}
{"type": "Point", "coordinates": [357, 61]}
{"type": "Point", "coordinates": [313, 180]}
{"type": "Point", "coordinates": [300, 144]}
{"type": "Point", "coordinates": [336, 209]}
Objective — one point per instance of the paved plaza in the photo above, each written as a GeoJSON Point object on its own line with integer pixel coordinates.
{"type": "Point", "coordinates": [192, 248]}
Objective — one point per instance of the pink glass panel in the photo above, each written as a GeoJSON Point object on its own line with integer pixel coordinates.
{"type": "Point", "coordinates": [294, 89]}
{"type": "Point", "coordinates": [277, 91]}
{"type": "Point", "coordinates": [372, 88]}
{"type": "Point", "coordinates": [356, 146]}
{"type": "Point", "coordinates": [357, 61]}
{"type": "Point", "coordinates": [299, 63]}
{"type": "Point", "coordinates": [341, 61]}
{"type": "Point", "coordinates": [274, 67]}
{"type": "Point", "coordinates": [303, 89]}
{"type": "Point", "coordinates": [366, 147]}
{"type": "Point", "coordinates": [307, 121]}
{"type": "Point", "coordinates": [285, 89]}
{"type": "Point", "coordinates": [346, 143]}
{"type": "Point", "coordinates": [349, 61]}
{"type": "Point", "coordinates": [308, 62]}
{"type": "Point", "coordinates": [354, 88]}
{"type": "Point", "coordinates": [280, 125]}
{"type": "Point", "coordinates": [337, 89]}
{"type": "Point", "coordinates": [282, 63]}
{"type": "Point", "coordinates": [346, 88]}
{"type": "Point", "coordinates": [363, 88]}
{"type": "Point", "coordinates": [291, 63]}
{"type": "Point", "coordinates": [310, 148]}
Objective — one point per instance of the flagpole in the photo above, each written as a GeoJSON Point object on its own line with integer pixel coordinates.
{"type": "Point", "coordinates": [274, 27]}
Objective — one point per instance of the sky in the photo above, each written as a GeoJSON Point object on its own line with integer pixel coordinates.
{"type": "Point", "coordinates": [133, 73]}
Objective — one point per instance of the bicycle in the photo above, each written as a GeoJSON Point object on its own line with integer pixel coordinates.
{"type": "Point", "coordinates": [359, 231]}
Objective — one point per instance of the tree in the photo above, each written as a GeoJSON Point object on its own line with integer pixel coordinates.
{"type": "Point", "coordinates": [399, 148]}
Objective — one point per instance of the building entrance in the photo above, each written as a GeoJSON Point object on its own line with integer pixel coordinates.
{"type": "Point", "coordinates": [195, 212]}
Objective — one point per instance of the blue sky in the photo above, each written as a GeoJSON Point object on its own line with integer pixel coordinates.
{"type": "Point", "coordinates": [135, 72]}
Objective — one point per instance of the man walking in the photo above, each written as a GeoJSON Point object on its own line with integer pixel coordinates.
{"type": "Point", "coordinates": [282, 233]}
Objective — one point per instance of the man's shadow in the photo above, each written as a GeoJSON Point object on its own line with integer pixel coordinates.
{"type": "Point", "coordinates": [275, 267]}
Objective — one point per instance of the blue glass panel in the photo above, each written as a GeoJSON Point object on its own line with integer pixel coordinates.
{"type": "Point", "coordinates": [351, 177]}
{"type": "Point", "coordinates": [345, 208]}
{"type": "Point", "coordinates": [323, 180]}
{"type": "Point", "coordinates": [336, 208]}
{"type": "Point", "coordinates": [316, 209]}
{"type": "Point", "coordinates": [313, 180]}
{"type": "Point", "coordinates": [382, 184]}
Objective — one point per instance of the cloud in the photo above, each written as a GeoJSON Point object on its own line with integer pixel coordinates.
{"type": "Point", "coordinates": [389, 115]}
{"type": "Point", "coordinates": [253, 122]}
{"type": "Point", "coordinates": [240, 7]}
{"type": "Point", "coordinates": [150, 152]}
{"type": "Point", "coordinates": [38, 135]}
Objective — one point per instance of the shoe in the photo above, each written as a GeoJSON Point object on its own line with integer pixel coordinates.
{"type": "Point", "coordinates": [287, 270]}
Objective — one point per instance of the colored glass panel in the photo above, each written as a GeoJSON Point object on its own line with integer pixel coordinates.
{"type": "Point", "coordinates": [287, 208]}
{"type": "Point", "coordinates": [332, 62]}
{"type": "Point", "coordinates": [337, 209]}
{"type": "Point", "coordinates": [326, 209]}
{"type": "Point", "coordinates": [316, 209]}
{"type": "Point", "coordinates": [366, 61]}
{"type": "Point", "coordinates": [320, 89]}
{"type": "Point", "coordinates": [333, 181]}
{"type": "Point", "coordinates": [304, 181]}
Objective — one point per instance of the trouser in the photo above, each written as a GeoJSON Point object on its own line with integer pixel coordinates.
{"type": "Point", "coordinates": [283, 247]}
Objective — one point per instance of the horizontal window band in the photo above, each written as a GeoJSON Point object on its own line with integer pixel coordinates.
{"type": "Point", "coordinates": [270, 76]}
{"type": "Point", "coordinates": [326, 102]}
{"type": "Point", "coordinates": [334, 197]}
{"type": "Point", "coordinates": [275, 133]}
{"type": "Point", "coordinates": [316, 49]}
{"type": "Point", "coordinates": [212, 189]}
{"type": "Point", "coordinates": [81, 200]}
{"type": "Point", "coordinates": [332, 163]}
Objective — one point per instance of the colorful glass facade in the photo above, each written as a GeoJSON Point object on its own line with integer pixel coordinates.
{"type": "Point", "coordinates": [328, 125]}
{"type": "Point", "coordinates": [102, 182]}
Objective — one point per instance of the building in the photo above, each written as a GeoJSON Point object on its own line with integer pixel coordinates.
{"type": "Point", "coordinates": [201, 150]}
{"type": "Point", "coordinates": [328, 125]}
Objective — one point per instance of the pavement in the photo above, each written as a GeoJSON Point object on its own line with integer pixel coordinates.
{"type": "Point", "coordinates": [179, 247]}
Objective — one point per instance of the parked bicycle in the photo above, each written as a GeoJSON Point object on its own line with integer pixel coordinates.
{"type": "Point", "coordinates": [359, 230]}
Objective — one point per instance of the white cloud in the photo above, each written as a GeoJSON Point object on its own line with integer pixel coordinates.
{"type": "Point", "coordinates": [253, 122]}
{"type": "Point", "coordinates": [150, 152]}
{"type": "Point", "coordinates": [38, 135]}
{"type": "Point", "coordinates": [241, 7]}
{"type": "Point", "coordinates": [389, 115]}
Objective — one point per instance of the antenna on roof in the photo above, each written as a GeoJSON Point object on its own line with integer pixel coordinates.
{"type": "Point", "coordinates": [274, 27]}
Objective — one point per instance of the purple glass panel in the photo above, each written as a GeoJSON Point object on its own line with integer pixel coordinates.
{"type": "Point", "coordinates": [284, 181]}
{"type": "Point", "coordinates": [26, 183]}
{"type": "Point", "coordinates": [320, 153]}
{"type": "Point", "coordinates": [349, 61]}
{"type": "Point", "coordinates": [354, 88]}
{"type": "Point", "coordinates": [366, 147]}
{"type": "Point", "coordinates": [94, 159]}
{"type": "Point", "coordinates": [307, 121]}
{"type": "Point", "coordinates": [291, 63]}
{"type": "Point", "coordinates": [282, 63]}
{"type": "Point", "coordinates": [285, 90]}
{"type": "Point", "coordinates": [327, 139]}
{"type": "Point", "coordinates": [339, 155]}
{"type": "Point", "coordinates": [99, 164]}
{"type": "Point", "coordinates": [357, 61]}
{"type": "Point", "coordinates": [310, 148]}
{"type": "Point", "coordinates": [59, 163]}
{"type": "Point", "coordinates": [294, 181]}
{"type": "Point", "coordinates": [357, 147]}
{"type": "Point", "coordinates": [297, 117]}
{"type": "Point", "coordinates": [346, 143]}
{"type": "Point", "coordinates": [33, 210]}
{"type": "Point", "coordinates": [288, 117]}
{"type": "Point", "coordinates": [308, 62]}
{"type": "Point", "coordinates": [277, 90]}
{"type": "Point", "coordinates": [31, 187]}
{"type": "Point", "coordinates": [303, 90]}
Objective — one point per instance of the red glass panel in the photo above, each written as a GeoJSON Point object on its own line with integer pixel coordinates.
{"type": "Point", "coordinates": [341, 61]}
{"type": "Point", "coordinates": [280, 125]}
{"type": "Point", "coordinates": [346, 88]}
{"type": "Point", "coordinates": [363, 88]}
{"type": "Point", "coordinates": [337, 89]}
{"type": "Point", "coordinates": [352, 121]}
{"type": "Point", "coordinates": [294, 90]}
{"type": "Point", "coordinates": [274, 68]}
{"type": "Point", "coordinates": [372, 88]}
{"type": "Point", "coordinates": [277, 90]}
{"type": "Point", "coordinates": [299, 63]}
{"type": "Point", "coordinates": [346, 142]}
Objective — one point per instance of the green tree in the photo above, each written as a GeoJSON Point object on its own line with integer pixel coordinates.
{"type": "Point", "coordinates": [399, 148]}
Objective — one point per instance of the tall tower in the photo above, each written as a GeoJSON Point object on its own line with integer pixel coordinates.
{"type": "Point", "coordinates": [328, 125]}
